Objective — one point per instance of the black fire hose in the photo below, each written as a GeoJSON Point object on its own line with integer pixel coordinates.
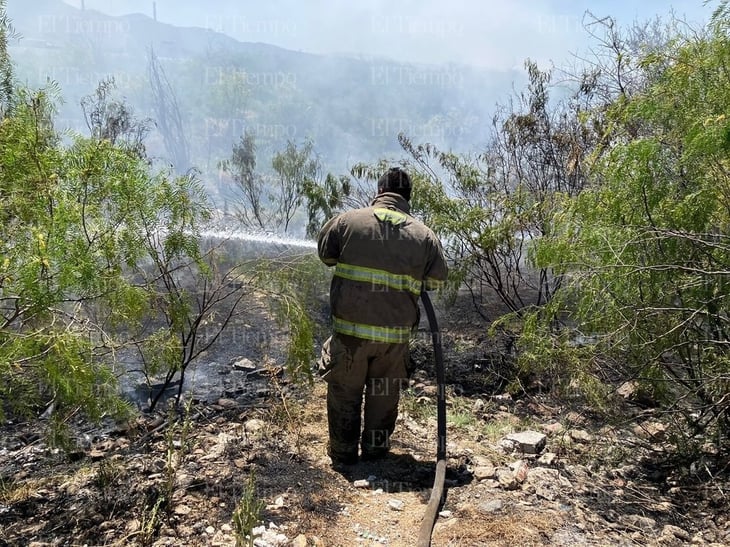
{"type": "Point", "coordinates": [437, 492]}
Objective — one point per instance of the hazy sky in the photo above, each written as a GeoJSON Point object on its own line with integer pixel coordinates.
{"type": "Point", "coordinates": [479, 32]}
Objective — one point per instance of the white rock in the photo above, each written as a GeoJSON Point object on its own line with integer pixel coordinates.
{"type": "Point", "coordinates": [244, 364]}
{"type": "Point", "coordinates": [396, 505]}
{"type": "Point", "coordinates": [546, 482]}
{"type": "Point", "coordinates": [580, 436]}
{"type": "Point", "coordinates": [628, 390]}
{"type": "Point", "coordinates": [491, 506]}
{"type": "Point", "coordinates": [270, 538]}
{"type": "Point", "coordinates": [506, 446]}
{"type": "Point", "coordinates": [485, 472]}
{"type": "Point", "coordinates": [547, 458]}
{"type": "Point", "coordinates": [279, 503]}
{"type": "Point", "coordinates": [529, 442]}
{"type": "Point", "coordinates": [480, 461]}
{"type": "Point", "coordinates": [254, 426]}
{"type": "Point", "coordinates": [507, 479]}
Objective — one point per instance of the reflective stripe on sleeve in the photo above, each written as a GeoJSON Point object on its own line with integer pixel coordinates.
{"type": "Point", "coordinates": [390, 335]}
{"type": "Point", "coordinates": [374, 276]}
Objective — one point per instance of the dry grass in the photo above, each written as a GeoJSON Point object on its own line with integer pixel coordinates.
{"type": "Point", "coordinates": [12, 491]}
{"type": "Point", "coordinates": [523, 529]}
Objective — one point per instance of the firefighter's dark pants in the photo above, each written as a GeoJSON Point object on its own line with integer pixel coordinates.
{"type": "Point", "coordinates": [351, 366]}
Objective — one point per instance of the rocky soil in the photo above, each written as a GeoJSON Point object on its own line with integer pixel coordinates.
{"type": "Point", "coordinates": [521, 471]}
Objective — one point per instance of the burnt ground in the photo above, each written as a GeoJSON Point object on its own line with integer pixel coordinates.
{"type": "Point", "coordinates": [192, 476]}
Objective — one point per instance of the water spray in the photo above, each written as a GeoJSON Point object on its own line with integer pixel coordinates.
{"type": "Point", "coordinates": [264, 238]}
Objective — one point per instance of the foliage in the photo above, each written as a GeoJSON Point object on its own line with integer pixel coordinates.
{"type": "Point", "coordinates": [100, 254]}
{"type": "Point", "coordinates": [295, 168]}
{"type": "Point", "coordinates": [248, 184]}
{"type": "Point", "coordinates": [294, 288]}
{"type": "Point", "coordinates": [599, 218]}
{"type": "Point", "coordinates": [111, 119]}
{"type": "Point", "coordinates": [559, 361]}
{"type": "Point", "coordinates": [247, 513]}
{"type": "Point", "coordinates": [65, 238]}
{"type": "Point", "coordinates": [272, 203]}
{"type": "Point", "coordinates": [77, 222]}
{"type": "Point", "coordinates": [194, 302]}
{"type": "Point", "coordinates": [490, 208]}
{"type": "Point", "coordinates": [324, 200]}
{"type": "Point", "coordinates": [646, 247]}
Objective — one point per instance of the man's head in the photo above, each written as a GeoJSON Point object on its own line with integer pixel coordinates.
{"type": "Point", "coordinates": [395, 180]}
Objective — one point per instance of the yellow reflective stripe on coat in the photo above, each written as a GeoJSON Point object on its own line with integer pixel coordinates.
{"type": "Point", "coordinates": [375, 276]}
{"type": "Point", "coordinates": [390, 215]}
{"type": "Point", "coordinates": [389, 335]}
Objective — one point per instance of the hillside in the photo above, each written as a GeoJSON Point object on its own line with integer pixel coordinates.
{"type": "Point", "coordinates": [352, 108]}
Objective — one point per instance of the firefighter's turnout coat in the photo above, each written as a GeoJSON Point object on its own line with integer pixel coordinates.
{"type": "Point", "coordinates": [383, 257]}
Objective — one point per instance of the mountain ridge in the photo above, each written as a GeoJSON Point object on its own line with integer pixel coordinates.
{"type": "Point", "coordinates": [352, 107]}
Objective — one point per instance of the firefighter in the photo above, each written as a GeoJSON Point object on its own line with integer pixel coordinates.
{"type": "Point", "coordinates": [382, 257]}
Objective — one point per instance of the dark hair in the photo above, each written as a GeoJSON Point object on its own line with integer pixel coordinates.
{"type": "Point", "coordinates": [395, 180]}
